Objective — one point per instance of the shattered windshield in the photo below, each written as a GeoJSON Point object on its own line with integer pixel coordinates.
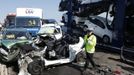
{"type": "Point", "coordinates": [27, 22]}
{"type": "Point", "coordinates": [48, 30]}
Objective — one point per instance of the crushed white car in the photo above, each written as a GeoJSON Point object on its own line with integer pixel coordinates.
{"type": "Point", "coordinates": [50, 52]}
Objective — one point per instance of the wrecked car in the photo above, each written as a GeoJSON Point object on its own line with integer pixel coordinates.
{"type": "Point", "coordinates": [10, 43]}
{"type": "Point", "coordinates": [51, 30]}
{"type": "Point", "coordinates": [49, 52]}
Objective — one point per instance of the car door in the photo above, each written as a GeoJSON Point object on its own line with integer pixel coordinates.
{"type": "Point", "coordinates": [91, 23]}
{"type": "Point", "coordinates": [58, 33]}
{"type": "Point", "coordinates": [99, 28]}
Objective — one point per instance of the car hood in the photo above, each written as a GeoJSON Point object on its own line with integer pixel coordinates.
{"type": "Point", "coordinates": [9, 43]}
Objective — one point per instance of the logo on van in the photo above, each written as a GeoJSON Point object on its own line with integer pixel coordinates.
{"type": "Point", "coordinates": [29, 11]}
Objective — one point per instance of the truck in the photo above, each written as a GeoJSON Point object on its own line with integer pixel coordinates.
{"type": "Point", "coordinates": [30, 19]}
{"type": "Point", "coordinates": [9, 20]}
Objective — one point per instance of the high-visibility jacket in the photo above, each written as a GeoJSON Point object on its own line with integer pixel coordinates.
{"type": "Point", "coordinates": [90, 43]}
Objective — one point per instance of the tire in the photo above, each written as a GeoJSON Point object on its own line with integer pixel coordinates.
{"type": "Point", "coordinates": [106, 39]}
{"type": "Point", "coordinates": [81, 58]}
{"type": "Point", "coordinates": [85, 27]}
{"type": "Point", "coordinates": [15, 54]}
{"type": "Point", "coordinates": [35, 67]}
{"type": "Point", "coordinates": [73, 24]}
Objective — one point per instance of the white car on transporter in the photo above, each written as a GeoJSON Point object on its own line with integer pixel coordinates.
{"type": "Point", "coordinates": [76, 19]}
{"type": "Point", "coordinates": [101, 27]}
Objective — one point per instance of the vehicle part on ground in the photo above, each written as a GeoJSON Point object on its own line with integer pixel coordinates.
{"type": "Point", "coordinates": [102, 70]}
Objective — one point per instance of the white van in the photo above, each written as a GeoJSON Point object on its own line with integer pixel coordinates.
{"type": "Point", "coordinates": [100, 27]}
{"type": "Point", "coordinates": [51, 27]}
{"type": "Point", "coordinates": [76, 19]}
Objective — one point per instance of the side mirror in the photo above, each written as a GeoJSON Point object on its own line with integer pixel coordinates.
{"type": "Point", "coordinates": [1, 36]}
{"type": "Point", "coordinates": [61, 24]}
{"type": "Point", "coordinates": [33, 38]}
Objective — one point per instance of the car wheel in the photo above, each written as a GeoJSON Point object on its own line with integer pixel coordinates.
{"type": "Point", "coordinates": [81, 58]}
{"type": "Point", "coordinates": [85, 27]}
{"type": "Point", "coordinates": [15, 49]}
{"type": "Point", "coordinates": [35, 67]}
{"type": "Point", "coordinates": [73, 24]}
{"type": "Point", "coordinates": [106, 39]}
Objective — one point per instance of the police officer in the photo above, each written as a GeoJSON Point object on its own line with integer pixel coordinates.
{"type": "Point", "coordinates": [90, 43]}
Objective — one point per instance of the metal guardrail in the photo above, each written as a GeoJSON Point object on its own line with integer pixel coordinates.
{"type": "Point", "coordinates": [126, 54]}
{"type": "Point", "coordinates": [109, 47]}
{"type": "Point", "coordinates": [130, 54]}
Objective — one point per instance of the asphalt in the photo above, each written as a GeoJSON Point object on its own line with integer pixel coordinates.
{"type": "Point", "coordinates": [104, 58]}
{"type": "Point", "coordinates": [64, 70]}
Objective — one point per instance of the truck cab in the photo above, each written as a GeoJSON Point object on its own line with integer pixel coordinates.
{"type": "Point", "coordinates": [30, 19]}
{"type": "Point", "coordinates": [10, 20]}
{"type": "Point", "coordinates": [31, 24]}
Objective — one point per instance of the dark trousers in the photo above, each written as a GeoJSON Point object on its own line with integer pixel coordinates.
{"type": "Point", "coordinates": [89, 58]}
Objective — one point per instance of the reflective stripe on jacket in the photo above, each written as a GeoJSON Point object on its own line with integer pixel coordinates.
{"type": "Point", "coordinates": [90, 43]}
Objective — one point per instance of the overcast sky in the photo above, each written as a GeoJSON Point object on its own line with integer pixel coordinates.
{"type": "Point", "coordinates": [50, 7]}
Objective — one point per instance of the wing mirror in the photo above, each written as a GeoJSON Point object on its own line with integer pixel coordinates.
{"type": "Point", "coordinates": [61, 24]}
